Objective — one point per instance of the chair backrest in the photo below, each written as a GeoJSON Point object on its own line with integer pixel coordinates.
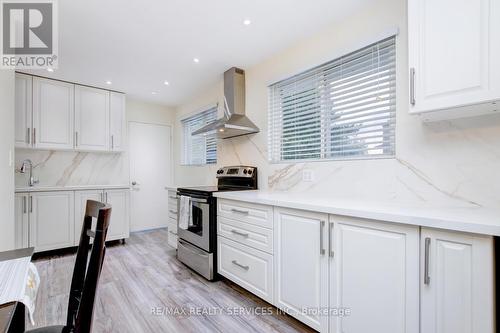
{"type": "Point", "coordinates": [86, 276]}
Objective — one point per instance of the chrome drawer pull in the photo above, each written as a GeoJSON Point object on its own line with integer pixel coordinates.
{"type": "Point", "coordinates": [173, 233]}
{"type": "Point", "coordinates": [321, 247]}
{"type": "Point", "coordinates": [173, 198]}
{"type": "Point", "coordinates": [239, 233]}
{"type": "Point", "coordinates": [245, 212]}
{"type": "Point", "coordinates": [172, 211]}
{"type": "Point", "coordinates": [246, 268]}
{"type": "Point", "coordinates": [427, 278]}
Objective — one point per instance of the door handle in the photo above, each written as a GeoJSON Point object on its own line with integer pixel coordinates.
{"type": "Point", "coordinates": [427, 278]}
{"type": "Point", "coordinates": [134, 183]}
{"type": "Point", "coordinates": [412, 86]}
{"type": "Point", "coordinates": [246, 268]}
{"type": "Point", "coordinates": [321, 245]}
{"type": "Point", "coordinates": [330, 245]}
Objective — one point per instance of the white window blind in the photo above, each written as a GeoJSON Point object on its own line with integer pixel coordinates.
{"type": "Point", "coordinates": [343, 109]}
{"type": "Point", "coordinates": [199, 149]}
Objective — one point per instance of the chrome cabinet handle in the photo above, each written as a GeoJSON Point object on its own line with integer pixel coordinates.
{"type": "Point", "coordinates": [236, 232]}
{"type": "Point", "coordinates": [24, 205]}
{"type": "Point", "coordinates": [244, 212]}
{"type": "Point", "coordinates": [28, 135]}
{"type": "Point", "coordinates": [427, 278]}
{"type": "Point", "coordinates": [173, 233]}
{"type": "Point", "coordinates": [173, 198]}
{"type": "Point", "coordinates": [106, 197]}
{"type": "Point", "coordinates": [34, 136]}
{"type": "Point", "coordinates": [330, 245]}
{"type": "Point", "coordinates": [321, 245]}
{"type": "Point", "coordinates": [412, 86]}
{"type": "Point", "coordinates": [76, 139]}
{"type": "Point", "coordinates": [112, 142]}
{"type": "Point", "coordinates": [31, 204]}
{"type": "Point", "coordinates": [246, 268]}
{"type": "Point", "coordinates": [172, 211]}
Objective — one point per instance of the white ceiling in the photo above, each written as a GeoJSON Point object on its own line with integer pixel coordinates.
{"type": "Point", "coordinates": [139, 44]}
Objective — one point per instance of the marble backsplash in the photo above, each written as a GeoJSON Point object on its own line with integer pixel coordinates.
{"type": "Point", "coordinates": [62, 168]}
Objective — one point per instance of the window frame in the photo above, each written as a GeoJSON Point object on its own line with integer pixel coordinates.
{"type": "Point", "coordinates": [323, 114]}
{"type": "Point", "coordinates": [184, 148]}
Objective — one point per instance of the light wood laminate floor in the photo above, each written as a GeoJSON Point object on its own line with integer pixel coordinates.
{"type": "Point", "coordinates": [143, 276]}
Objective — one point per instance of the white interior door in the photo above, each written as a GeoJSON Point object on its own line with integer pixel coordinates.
{"type": "Point", "coordinates": [150, 173]}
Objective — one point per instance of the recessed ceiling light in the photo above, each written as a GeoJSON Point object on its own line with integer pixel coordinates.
{"type": "Point", "coordinates": [153, 93]}
{"type": "Point", "coordinates": [247, 22]}
{"type": "Point", "coordinates": [166, 83]}
{"type": "Point", "coordinates": [196, 60]}
{"type": "Point", "coordinates": [108, 82]}
{"type": "Point", "coordinates": [50, 70]}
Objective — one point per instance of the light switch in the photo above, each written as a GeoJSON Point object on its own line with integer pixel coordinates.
{"type": "Point", "coordinates": [307, 175]}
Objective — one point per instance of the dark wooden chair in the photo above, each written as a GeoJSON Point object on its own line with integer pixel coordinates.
{"type": "Point", "coordinates": [85, 276]}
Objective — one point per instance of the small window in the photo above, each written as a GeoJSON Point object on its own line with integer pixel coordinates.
{"type": "Point", "coordinates": [343, 109]}
{"type": "Point", "coordinates": [199, 149]}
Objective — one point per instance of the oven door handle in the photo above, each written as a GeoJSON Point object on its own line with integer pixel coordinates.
{"type": "Point", "coordinates": [198, 200]}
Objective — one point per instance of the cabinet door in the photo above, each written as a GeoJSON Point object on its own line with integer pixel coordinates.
{"type": "Point", "coordinates": [456, 57]}
{"type": "Point", "coordinates": [456, 282]}
{"type": "Point", "coordinates": [117, 122]}
{"type": "Point", "coordinates": [301, 265]}
{"type": "Point", "coordinates": [21, 216]}
{"type": "Point", "coordinates": [81, 198]}
{"type": "Point", "coordinates": [91, 118]}
{"type": "Point", "coordinates": [53, 112]}
{"type": "Point", "coordinates": [23, 107]}
{"type": "Point", "coordinates": [51, 220]}
{"type": "Point", "coordinates": [374, 276]}
{"type": "Point", "coordinates": [119, 225]}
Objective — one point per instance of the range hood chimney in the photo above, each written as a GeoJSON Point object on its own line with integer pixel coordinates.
{"type": "Point", "coordinates": [235, 122]}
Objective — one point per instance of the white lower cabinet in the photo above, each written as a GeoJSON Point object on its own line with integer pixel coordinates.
{"type": "Point", "coordinates": [301, 265]}
{"type": "Point", "coordinates": [457, 282]}
{"type": "Point", "coordinates": [374, 276]}
{"type": "Point", "coordinates": [21, 221]}
{"type": "Point", "coordinates": [119, 224]}
{"type": "Point", "coordinates": [250, 268]}
{"type": "Point", "coordinates": [51, 220]}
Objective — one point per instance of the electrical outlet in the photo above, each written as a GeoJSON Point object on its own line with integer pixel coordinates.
{"type": "Point", "coordinates": [308, 175]}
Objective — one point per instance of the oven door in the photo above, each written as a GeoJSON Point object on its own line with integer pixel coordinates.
{"type": "Point", "coordinates": [198, 231]}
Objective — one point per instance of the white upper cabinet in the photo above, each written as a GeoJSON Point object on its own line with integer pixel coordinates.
{"type": "Point", "coordinates": [301, 265]}
{"type": "Point", "coordinates": [53, 111]}
{"type": "Point", "coordinates": [374, 275]}
{"type": "Point", "coordinates": [91, 118]}
{"type": "Point", "coordinates": [117, 122]}
{"type": "Point", "coordinates": [457, 286]}
{"type": "Point", "coordinates": [23, 116]}
{"type": "Point", "coordinates": [454, 57]}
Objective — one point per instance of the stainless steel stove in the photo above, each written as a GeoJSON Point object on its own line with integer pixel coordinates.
{"type": "Point", "coordinates": [197, 241]}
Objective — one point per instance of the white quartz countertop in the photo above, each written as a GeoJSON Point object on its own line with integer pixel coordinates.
{"type": "Point", "coordinates": [42, 188]}
{"type": "Point", "coordinates": [474, 220]}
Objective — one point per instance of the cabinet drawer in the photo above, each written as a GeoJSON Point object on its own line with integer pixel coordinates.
{"type": "Point", "coordinates": [172, 214]}
{"type": "Point", "coordinates": [247, 234]}
{"type": "Point", "coordinates": [172, 225]}
{"type": "Point", "coordinates": [172, 238]}
{"type": "Point", "coordinates": [260, 215]}
{"type": "Point", "coordinates": [251, 269]}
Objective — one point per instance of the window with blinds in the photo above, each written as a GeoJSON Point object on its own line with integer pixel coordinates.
{"type": "Point", "coordinates": [343, 109]}
{"type": "Point", "coordinates": [199, 149]}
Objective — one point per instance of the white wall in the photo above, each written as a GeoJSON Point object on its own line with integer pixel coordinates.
{"type": "Point", "coordinates": [6, 154]}
{"type": "Point", "coordinates": [452, 163]}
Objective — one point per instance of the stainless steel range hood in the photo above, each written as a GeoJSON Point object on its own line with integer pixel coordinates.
{"type": "Point", "coordinates": [235, 122]}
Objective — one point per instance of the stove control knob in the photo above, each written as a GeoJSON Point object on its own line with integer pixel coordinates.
{"type": "Point", "coordinates": [245, 171]}
{"type": "Point", "coordinates": [220, 171]}
{"type": "Point", "coordinates": [249, 171]}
